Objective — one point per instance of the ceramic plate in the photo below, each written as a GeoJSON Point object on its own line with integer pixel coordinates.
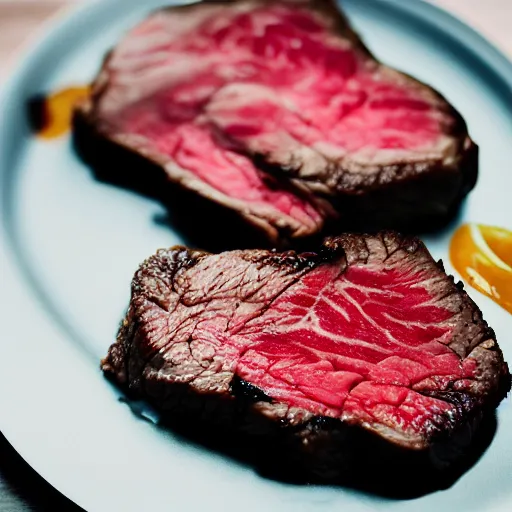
{"type": "Point", "coordinates": [70, 246]}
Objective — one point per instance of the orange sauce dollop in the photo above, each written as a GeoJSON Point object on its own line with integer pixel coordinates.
{"type": "Point", "coordinates": [483, 257]}
{"type": "Point", "coordinates": [57, 111]}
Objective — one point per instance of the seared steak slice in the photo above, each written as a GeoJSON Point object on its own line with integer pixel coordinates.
{"type": "Point", "coordinates": [278, 111]}
{"type": "Point", "coordinates": [366, 339]}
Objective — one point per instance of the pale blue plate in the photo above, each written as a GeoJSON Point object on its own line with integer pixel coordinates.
{"type": "Point", "coordinates": [70, 245]}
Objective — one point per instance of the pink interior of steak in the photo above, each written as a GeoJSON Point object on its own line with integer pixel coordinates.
{"type": "Point", "coordinates": [362, 343]}
{"type": "Point", "coordinates": [203, 86]}
{"type": "Point", "coordinates": [193, 147]}
{"type": "Point", "coordinates": [368, 344]}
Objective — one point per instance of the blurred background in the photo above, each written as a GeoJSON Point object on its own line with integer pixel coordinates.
{"type": "Point", "coordinates": [19, 19]}
{"type": "Point", "coordinates": [21, 489]}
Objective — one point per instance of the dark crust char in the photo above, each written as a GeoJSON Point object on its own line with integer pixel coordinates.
{"type": "Point", "coordinates": [408, 196]}
{"type": "Point", "coordinates": [296, 443]}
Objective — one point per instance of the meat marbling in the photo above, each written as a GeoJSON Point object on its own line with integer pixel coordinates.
{"type": "Point", "coordinates": [278, 111]}
{"type": "Point", "coordinates": [366, 335]}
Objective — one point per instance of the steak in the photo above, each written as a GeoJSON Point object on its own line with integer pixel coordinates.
{"type": "Point", "coordinates": [363, 347]}
{"type": "Point", "coordinates": [276, 110]}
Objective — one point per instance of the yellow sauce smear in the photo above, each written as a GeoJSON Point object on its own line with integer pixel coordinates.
{"type": "Point", "coordinates": [58, 111]}
{"type": "Point", "coordinates": [483, 257]}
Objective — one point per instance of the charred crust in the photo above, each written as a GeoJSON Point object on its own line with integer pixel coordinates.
{"type": "Point", "coordinates": [464, 404]}
{"type": "Point", "coordinates": [472, 323]}
{"type": "Point", "coordinates": [355, 246]}
{"type": "Point", "coordinates": [246, 391]}
{"type": "Point", "coordinates": [116, 364]}
{"type": "Point", "coordinates": [294, 260]}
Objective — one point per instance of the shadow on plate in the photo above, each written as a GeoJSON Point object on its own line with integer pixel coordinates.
{"type": "Point", "coordinates": [357, 459]}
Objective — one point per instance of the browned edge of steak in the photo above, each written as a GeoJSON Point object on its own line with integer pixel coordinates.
{"type": "Point", "coordinates": [246, 423]}
{"type": "Point", "coordinates": [202, 222]}
{"type": "Point", "coordinates": [412, 197]}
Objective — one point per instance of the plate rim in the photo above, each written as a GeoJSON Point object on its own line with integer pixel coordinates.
{"type": "Point", "coordinates": [14, 280]}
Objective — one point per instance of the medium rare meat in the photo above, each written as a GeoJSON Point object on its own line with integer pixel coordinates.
{"type": "Point", "coordinates": [366, 343]}
{"type": "Point", "coordinates": [278, 111]}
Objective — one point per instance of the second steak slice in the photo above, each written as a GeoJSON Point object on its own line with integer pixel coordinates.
{"type": "Point", "coordinates": [278, 111]}
{"type": "Point", "coordinates": [367, 337]}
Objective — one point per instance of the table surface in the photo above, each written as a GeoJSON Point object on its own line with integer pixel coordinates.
{"type": "Point", "coordinates": [21, 488]}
